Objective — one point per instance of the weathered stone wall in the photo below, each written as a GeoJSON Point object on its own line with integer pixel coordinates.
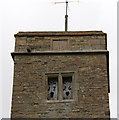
{"type": "Point", "coordinates": [90, 82]}
{"type": "Point", "coordinates": [85, 56]}
{"type": "Point", "coordinates": [89, 41]}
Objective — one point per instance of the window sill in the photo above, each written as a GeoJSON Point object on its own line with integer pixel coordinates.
{"type": "Point", "coordinates": [60, 101]}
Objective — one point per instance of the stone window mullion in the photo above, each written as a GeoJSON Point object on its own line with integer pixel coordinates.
{"type": "Point", "coordinates": [60, 87]}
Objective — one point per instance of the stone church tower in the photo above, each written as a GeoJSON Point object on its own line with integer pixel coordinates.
{"type": "Point", "coordinates": [61, 75]}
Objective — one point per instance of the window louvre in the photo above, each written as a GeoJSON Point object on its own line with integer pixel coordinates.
{"type": "Point", "coordinates": [67, 87]}
{"type": "Point", "coordinates": [60, 86]}
{"type": "Point", "coordinates": [53, 88]}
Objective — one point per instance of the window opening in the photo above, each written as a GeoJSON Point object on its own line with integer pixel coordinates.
{"type": "Point", "coordinates": [67, 87]}
{"type": "Point", "coordinates": [52, 88]}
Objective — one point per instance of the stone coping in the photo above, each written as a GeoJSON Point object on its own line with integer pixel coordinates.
{"type": "Point", "coordinates": [60, 52]}
{"type": "Point", "coordinates": [59, 33]}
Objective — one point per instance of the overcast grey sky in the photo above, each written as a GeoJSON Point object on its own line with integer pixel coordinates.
{"type": "Point", "coordinates": [41, 15]}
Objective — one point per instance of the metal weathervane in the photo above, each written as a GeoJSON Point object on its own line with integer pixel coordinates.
{"type": "Point", "coordinates": [66, 16]}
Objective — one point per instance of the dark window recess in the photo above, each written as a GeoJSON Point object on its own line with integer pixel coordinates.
{"type": "Point", "coordinates": [67, 87]}
{"type": "Point", "coordinates": [53, 88]}
{"type": "Point", "coordinates": [60, 45]}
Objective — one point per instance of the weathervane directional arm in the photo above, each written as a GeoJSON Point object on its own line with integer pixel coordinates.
{"type": "Point", "coordinates": [66, 16]}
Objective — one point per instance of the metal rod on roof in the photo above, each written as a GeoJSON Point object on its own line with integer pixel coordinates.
{"type": "Point", "coordinates": [66, 16]}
